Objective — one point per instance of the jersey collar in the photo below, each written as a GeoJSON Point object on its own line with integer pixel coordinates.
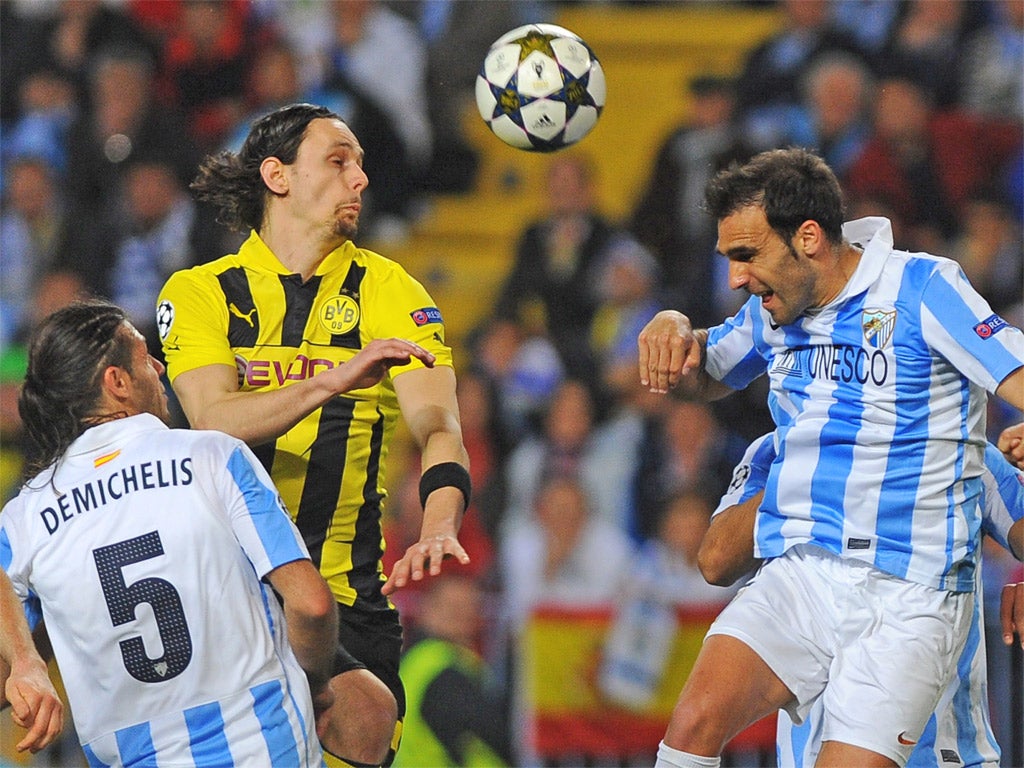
{"type": "Point", "coordinates": [256, 252]}
{"type": "Point", "coordinates": [112, 433]}
{"type": "Point", "coordinates": [874, 235]}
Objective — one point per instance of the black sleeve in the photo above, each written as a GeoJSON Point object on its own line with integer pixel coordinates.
{"type": "Point", "coordinates": [455, 705]}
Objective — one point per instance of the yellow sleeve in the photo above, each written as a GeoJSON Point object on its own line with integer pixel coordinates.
{"type": "Point", "coordinates": [399, 306]}
{"type": "Point", "coordinates": [192, 318]}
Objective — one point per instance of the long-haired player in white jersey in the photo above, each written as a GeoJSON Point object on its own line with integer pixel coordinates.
{"type": "Point", "coordinates": [960, 732]}
{"type": "Point", "coordinates": [153, 556]}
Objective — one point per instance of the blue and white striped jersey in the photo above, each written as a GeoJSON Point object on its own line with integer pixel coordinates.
{"type": "Point", "coordinates": [960, 727]}
{"type": "Point", "coordinates": [144, 553]}
{"type": "Point", "coordinates": [879, 398]}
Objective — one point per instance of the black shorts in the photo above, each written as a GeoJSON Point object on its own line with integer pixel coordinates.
{"type": "Point", "coordinates": [371, 640]}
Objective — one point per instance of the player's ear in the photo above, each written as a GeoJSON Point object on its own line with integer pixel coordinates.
{"type": "Point", "coordinates": [273, 175]}
{"type": "Point", "coordinates": [809, 238]}
{"type": "Point", "coordinates": [116, 381]}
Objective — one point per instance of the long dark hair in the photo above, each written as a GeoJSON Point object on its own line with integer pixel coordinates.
{"type": "Point", "coordinates": [232, 182]}
{"type": "Point", "coordinates": [67, 356]}
{"type": "Point", "coordinates": [792, 185]}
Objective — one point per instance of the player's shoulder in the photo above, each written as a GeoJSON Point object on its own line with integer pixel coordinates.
{"type": "Point", "coordinates": [201, 278]}
{"type": "Point", "coordinates": [376, 264]}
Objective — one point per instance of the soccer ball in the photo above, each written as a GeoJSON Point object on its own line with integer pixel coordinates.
{"type": "Point", "coordinates": [540, 88]}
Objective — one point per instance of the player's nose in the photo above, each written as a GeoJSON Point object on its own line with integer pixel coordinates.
{"type": "Point", "coordinates": [739, 276]}
{"type": "Point", "coordinates": [359, 180]}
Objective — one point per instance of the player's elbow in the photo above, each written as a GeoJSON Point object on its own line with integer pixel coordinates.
{"type": "Point", "coordinates": [714, 564]}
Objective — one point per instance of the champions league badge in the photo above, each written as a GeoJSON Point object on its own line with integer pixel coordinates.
{"type": "Point", "coordinates": [164, 319]}
{"type": "Point", "coordinates": [878, 325]}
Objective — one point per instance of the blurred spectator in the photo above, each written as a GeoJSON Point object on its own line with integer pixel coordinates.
{"type": "Point", "coordinates": [38, 234]}
{"type": "Point", "coordinates": [991, 63]}
{"type": "Point", "coordinates": [926, 163]}
{"type": "Point", "coordinates": [48, 106]}
{"type": "Point", "coordinates": [63, 36]}
{"type": "Point", "coordinates": [205, 59]}
{"type": "Point", "coordinates": [455, 715]}
{"type": "Point", "coordinates": [556, 262]}
{"type": "Point", "coordinates": [123, 120]}
{"type": "Point", "coordinates": [668, 218]}
{"type": "Point", "coordinates": [833, 117]}
{"type": "Point", "coordinates": [685, 447]}
{"type": "Point", "coordinates": [926, 44]}
{"type": "Point", "coordinates": [602, 456]}
{"type": "Point", "coordinates": [991, 250]}
{"type": "Point", "coordinates": [627, 281]}
{"type": "Point", "coordinates": [769, 83]}
{"type": "Point", "coordinates": [166, 231]}
{"type": "Point", "coordinates": [869, 22]}
{"type": "Point", "coordinates": [563, 553]}
{"type": "Point", "coordinates": [523, 370]}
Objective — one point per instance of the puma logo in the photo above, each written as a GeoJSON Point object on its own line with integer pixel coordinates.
{"type": "Point", "coordinates": [247, 316]}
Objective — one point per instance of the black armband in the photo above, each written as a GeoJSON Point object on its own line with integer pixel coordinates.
{"type": "Point", "coordinates": [448, 473]}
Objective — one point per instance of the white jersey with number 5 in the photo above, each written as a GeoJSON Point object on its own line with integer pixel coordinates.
{"type": "Point", "coordinates": [144, 553]}
{"type": "Point", "coordinates": [879, 398]}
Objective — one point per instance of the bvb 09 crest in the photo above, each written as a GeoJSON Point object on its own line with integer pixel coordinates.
{"type": "Point", "coordinates": [339, 314]}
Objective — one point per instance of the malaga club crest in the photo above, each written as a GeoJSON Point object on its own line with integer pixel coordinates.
{"type": "Point", "coordinates": [878, 326]}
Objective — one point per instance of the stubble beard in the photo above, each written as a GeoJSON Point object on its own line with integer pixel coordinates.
{"type": "Point", "coordinates": [346, 228]}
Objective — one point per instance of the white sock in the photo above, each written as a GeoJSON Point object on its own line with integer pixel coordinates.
{"type": "Point", "coordinates": [673, 758]}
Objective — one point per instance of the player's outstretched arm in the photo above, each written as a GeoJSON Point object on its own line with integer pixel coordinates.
{"type": "Point", "coordinates": [727, 550]}
{"type": "Point", "coordinates": [427, 400]}
{"type": "Point", "coordinates": [312, 617]}
{"type": "Point", "coordinates": [1011, 443]}
{"type": "Point", "coordinates": [671, 352]}
{"type": "Point", "coordinates": [25, 682]}
{"type": "Point", "coordinates": [211, 398]}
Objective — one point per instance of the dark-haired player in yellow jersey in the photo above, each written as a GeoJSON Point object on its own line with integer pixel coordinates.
{"type": "Point", "coordinates": [254, 344]}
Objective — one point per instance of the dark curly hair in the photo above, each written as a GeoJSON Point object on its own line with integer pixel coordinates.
{"type": "Point", "coordinates": [792, 185]}
{"type": "Point", "coordinates": [232, 182]}
{"type": "Point", "coordinates": [67, 356]}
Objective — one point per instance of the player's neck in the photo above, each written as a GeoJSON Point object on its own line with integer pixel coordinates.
{"type": "Point", "coordinates": [299, 249]}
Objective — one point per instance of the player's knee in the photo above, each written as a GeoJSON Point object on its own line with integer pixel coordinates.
{"type": "Point", "coordinates": [363, 718]}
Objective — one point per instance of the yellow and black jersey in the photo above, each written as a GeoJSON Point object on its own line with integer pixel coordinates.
{"type": "Point", "coordinates": [249, 311]}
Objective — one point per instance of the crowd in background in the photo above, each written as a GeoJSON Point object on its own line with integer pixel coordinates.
{"type": "Point", "coordinates": [584, 484]}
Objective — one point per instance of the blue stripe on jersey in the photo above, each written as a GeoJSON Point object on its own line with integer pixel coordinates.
{"type": "Point", "coordinates": [268, 704]}
{"type": "Point", "coordinates": [135, 746]}
{"type": "Point", "coordinates": [90, 757]}
{"type": "Point", "coordinates": [905, 461]}
{"type": "Point", "coordinates": [959, 321]}
{"type": "Point", "coordinates": [270, 520]}
{"type": "Point", "coordinates": [33, 609]}
{"type": "Point", "coordinates": [837, 440]}
{"type": "Point", "coordinates": [206, 737]}
{"type": "Point", "coordinates": [770, 540]}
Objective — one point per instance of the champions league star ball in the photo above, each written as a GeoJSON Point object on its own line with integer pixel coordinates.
{"type": "Point", "coordinates": [540, 88]}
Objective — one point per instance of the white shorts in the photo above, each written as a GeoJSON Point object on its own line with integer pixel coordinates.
{"type": "Point", "coordinates": [878, 650]}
